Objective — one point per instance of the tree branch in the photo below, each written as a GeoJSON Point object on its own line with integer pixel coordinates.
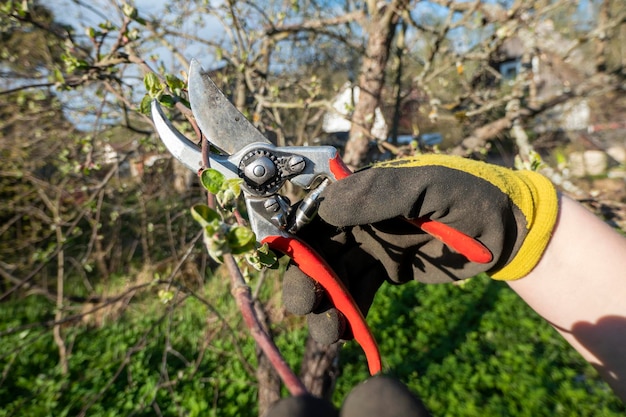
{"type": "Point", "coordinates": [241, 292]}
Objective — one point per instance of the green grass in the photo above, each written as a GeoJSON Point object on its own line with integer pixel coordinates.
{"type": "Point", "coordinates": [478, 350]}
{"type": "Point", "coordinates": [475, 350]}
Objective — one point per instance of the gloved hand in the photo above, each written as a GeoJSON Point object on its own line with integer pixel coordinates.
{"type": "Point", "coordinates": [380, 396]}
{"type": "Point", "coordinates": [364, 235]}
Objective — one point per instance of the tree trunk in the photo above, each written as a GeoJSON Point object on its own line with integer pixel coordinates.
{"type": "Point", "coordinates": [320, 368]}
{"type": "Point", "coordinates": [381, 30]}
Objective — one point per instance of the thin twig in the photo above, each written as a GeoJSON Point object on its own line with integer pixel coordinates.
{"type": "Point", "coordinates": [241, 292]}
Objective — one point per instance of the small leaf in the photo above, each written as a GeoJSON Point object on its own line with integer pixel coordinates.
{"type": "Point", "coordinates": [205, 215]}
{"type": "Point", "coordinates": [73, 64]}
{"type": "Point", "coordinates": [212, 180]}
{"type": "Point", "coordinates": [174, 83]}
{"type": "Point", "coordinates": [129, 11]}
{"type": "Point", "coordinates": [165, 296]}
{"type": "Point", "coordinates": [225, 198]}
{"type": "Point", "coordinates": [240, 239]}
{"type": "Point", "coordinates": [263, 257]}
{"type": "Point", "coordinates": [152, 84]}
{"type": "Point", "coordinates": [108, 26]}
{"type": "Point", "coordinates": [230, 191]}
{"type": "Point", "coordinates": [144, 106]}
{"type": "Point", "coordinates": [133, 34]}
{"type": "Point", "coordinates": [58, 76]}
{"type": "Point", "coordinates": [167, 100]}
{"type": "Point", "coordinates": [216, 245]}
{"type": "Point", "coordinates": [234, 185]}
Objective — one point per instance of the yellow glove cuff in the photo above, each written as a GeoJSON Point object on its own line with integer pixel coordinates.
{"type": "Point", "coordinates": [540, 222]}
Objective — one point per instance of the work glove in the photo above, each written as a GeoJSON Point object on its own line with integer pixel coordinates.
{"type": "Point", "coordinates": [380, 396]}
{"type": "Point", "coordinates": [364, 233]}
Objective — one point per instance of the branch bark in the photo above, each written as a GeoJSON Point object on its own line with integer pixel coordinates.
{"type": "Point", "coordinates": [267, 377]}
{"type": "Point", "coordinates": [320, 368]}
{"type": "Point", "coordinates": [242, 295]}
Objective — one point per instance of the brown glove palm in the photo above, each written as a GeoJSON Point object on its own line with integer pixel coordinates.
{"type": "Point", "coordinates": [364, 235]}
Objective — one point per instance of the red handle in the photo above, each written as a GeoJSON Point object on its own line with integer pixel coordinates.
{"type": "Point", "coordinates": [313, 265]}
{"type": "Point", "coordinates": [338, 168]}
{"type": "Point", "coordinates": [466, 245]}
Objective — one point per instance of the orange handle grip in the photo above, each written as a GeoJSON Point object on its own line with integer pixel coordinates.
{"type": "Point", "coordinates": [466, 245]}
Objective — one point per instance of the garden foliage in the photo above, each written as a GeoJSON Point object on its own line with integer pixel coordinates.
{"type": "Point", "coordinates": [472, 350]}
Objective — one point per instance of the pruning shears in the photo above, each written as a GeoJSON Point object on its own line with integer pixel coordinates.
{"type": "Point", "coordinates": [265, 168]}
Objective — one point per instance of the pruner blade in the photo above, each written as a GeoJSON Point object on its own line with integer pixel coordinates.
{"type": "Point", "coordinates": [220, 121]}
{"type": "Point", "coordinates": [179, 146]}
{"type": "Point", "coordinates": [185, 150]}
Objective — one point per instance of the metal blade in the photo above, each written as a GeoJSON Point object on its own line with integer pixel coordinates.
{"type": "Point", "coordinates": [185, 150]}
{"type": "Point", "coordinates": [223, 125]}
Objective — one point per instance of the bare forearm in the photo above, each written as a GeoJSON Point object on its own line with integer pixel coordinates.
{"type": "Point", "coordinates": [579, 286]}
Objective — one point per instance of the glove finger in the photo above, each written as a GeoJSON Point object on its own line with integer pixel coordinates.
{"type": "Point", "coordinates": [382, 396]}
{"type": "Point", "coordinates": [326, 324]}
{"type": "Point", "coordinates": [364, 198]}
{"type": "Point", "coordinates": [301, 294]}
{"type": "Point", "coordinates": [360, 273]}
{"type": "Point", "coordinates": [302, 406]}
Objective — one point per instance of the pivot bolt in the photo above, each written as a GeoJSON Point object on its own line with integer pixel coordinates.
{"type": "Point", "coordinates": [260, 171]}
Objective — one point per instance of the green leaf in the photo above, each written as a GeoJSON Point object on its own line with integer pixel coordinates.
{"type": "Point", "coordinates": [262, 258]}
{"type": "Point", "coordinates": [152, 84]}
{"type": "Point", "coordinates": [73, 64]}
{"type": "Point", "coordinates": [165, 296]}
{"type": "Point", "coordinates": [230, 191]}
{"type": "Point", "coordinates": [205, 215]}
{"type": "Point", "coordinates": [107, 25]}
{"type": "Point", "coordinates": [133, 34]}
{"type": "Point", "coordinates": [174, 83]}
{"type": "Point", "coordinates": [129, 11]}
{"type": "Point", "coordinates": [167, 100]}
{"type": "Point", "coordinates": [144, 106]}
{"type": "Point", "coordinates": [225, 198]}
{"type": "Point", "coordinates": [240, 239]}
{"type": "Point", "coordinates": [215, 242]}
{"type": "Point", "coordinates": [234, 185]}
{"type": "Point", "coordinates": [58, 76]}
{"type": "Point", "coordinates": [212, 180]}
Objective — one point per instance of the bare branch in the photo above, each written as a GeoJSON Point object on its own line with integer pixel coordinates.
{"type": "Point", "coordinates": [241, 292]}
